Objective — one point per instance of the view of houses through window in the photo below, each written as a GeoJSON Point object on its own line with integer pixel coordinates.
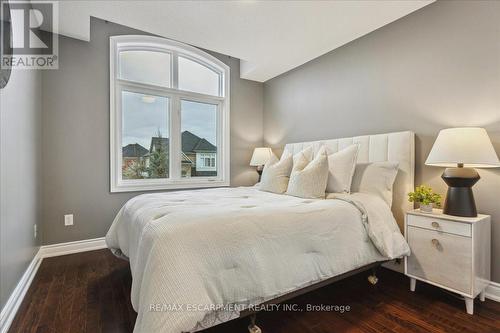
{"type": "Point", "coordinates": [199, 131]}
{"type": "Point", "coordinates": [145, 122]}
{"type": "Point", "coordinates": [145, 143]}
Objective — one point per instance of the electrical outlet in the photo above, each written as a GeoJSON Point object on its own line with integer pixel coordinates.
{"type": "Point", "coordinates": [35, 232]}
{"type": "Point", "coordinates": [68, 219]}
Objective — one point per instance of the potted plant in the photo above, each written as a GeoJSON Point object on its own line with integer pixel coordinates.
{"type": "Point", "coordinates": [426, 197]}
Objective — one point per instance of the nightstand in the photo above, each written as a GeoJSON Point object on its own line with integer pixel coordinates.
{"type": "Point", "coordinates": [450, 252]}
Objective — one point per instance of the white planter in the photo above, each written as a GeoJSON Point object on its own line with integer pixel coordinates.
{"type": "Point", "coordinates": [426, 208]}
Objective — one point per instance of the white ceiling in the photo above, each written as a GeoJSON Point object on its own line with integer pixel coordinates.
{"type": "Point", "coordinates": [270, 37]}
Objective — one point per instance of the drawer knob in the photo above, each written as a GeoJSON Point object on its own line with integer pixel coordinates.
{"type": "Point", "coordinates": [435, 225]}
{"type": "Point", "coordinates": [436, 243]}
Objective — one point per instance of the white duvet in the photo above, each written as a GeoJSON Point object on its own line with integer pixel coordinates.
{"type": "Point", "coordinates": [193, 254]}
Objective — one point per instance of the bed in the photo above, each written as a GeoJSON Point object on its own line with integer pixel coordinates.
{"type": "Point", "coordinates": [199, 258]}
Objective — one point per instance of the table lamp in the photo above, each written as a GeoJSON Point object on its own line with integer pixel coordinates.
{"type": "Point", "coordinates": [260, 157]}
{"type": "Point", "coordinates": [461, 150]}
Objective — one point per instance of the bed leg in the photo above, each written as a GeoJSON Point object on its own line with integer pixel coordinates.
{"type": "Point", "coordinates": [252, 328]}
{"type": "Point", "coordinates": [373, 277]}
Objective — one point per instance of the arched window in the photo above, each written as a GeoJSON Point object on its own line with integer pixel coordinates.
{"type": "Point", "coordinates": [169, 112]}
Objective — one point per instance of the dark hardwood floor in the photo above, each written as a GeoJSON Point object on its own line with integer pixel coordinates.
{"type": "Point", "coordinates": [90, 292]}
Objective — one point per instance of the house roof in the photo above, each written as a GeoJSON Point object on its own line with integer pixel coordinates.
{"type": "Point", "coordinates": [191, 143]}
{"type": "Point", "coordinates": [134, 150]}
{"type": "Point", "coordinates": [204, 146]}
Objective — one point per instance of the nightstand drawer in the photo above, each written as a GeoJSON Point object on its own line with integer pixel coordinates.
{"type": "Point", "coordinates": [442, 258]}
{"type": "Point", "coordinates": [432, 223]}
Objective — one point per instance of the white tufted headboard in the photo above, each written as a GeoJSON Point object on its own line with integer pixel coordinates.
{"type": "Point", "coordinates": [394, 147]}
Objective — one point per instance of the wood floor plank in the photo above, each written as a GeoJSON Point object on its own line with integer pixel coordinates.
{"type": "Point", "coordinates": [54, 297]}
{"type": "Point", "coordinates": [80, 304]}
{"type": "Point", "coordinates": [90, 292]}
{"type": "Point", "coordinates": [35, 304]}
{"type": "Point", "coordinates": [68, 297]}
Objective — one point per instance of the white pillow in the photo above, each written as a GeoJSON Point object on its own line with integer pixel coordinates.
{"type": "Point", "coordinates": [377, 178]}
{"type": "Point", "coordinates": [341, 167]}
{"type": "Point", "coordinates": [308, 178]}
{"type": "Point", "coordinates": [276, 174]}
{"type": "Point", "coordinates": [305, 154]}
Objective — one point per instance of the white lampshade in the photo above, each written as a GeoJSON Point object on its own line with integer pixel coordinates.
{"type": "Point", "coordinates": [470, 146]}
{"type": "Point", "coordinates": [260, 156]}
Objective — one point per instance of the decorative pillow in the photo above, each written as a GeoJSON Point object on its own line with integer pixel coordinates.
{"type": "Point", "coordinates": [276, 175]}
{"type": "Point", "coordinates": [376, 178]}
{"type": "Point", "coordinates": [308, 178]}
{"type": "Point", "coordinates": [285, 153]}
{"type": "Point", "coordinates": [304, 155]}
{"type": "Point", "coordinates": [341, 167]}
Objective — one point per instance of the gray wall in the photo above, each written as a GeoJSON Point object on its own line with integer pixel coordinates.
{"type": "Point", "coordinates": [438, 67]}
{"type": "Point", "coordinates": [75, 141]}
{"type": "Point", "coordinates": [20, 131]}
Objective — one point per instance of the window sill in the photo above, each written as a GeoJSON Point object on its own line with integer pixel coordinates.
{"type": "Point", "coordinates": [167, 186]}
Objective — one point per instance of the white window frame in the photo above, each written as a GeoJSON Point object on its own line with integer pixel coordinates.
{"type": "Point", "coordinates": [174, 95]}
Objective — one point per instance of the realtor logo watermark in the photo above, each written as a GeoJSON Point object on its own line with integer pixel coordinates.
{"type": "Point", "coordinates": [29, 45]}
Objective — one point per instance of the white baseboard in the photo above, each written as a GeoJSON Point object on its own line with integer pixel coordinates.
{"type": "Point", "coordinates": [10, 308]}
{"type": "Point", "coordinates": [61, 249]}
{"type": "Point", "coordinates": [493, 291]}
{"type": "Point", "coordinates": [16, 298]}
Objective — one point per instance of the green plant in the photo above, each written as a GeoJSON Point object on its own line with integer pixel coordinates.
{"type": "Point", "coordinates": [135, 170]}
{"type": "Point", "coordinates": [158, 160]}
{"type": "Point", "coordinates": [424, 195]}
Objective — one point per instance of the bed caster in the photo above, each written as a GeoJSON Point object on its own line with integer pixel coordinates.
{"type": "Point", "coordinates": [372, 279]}
{"type": "Point", "coordinates": [252, 328]}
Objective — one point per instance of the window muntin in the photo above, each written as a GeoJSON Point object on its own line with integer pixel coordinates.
{"type": "Point", "coordinates": [149, 67]}
{"type": "Point", "coordinates": [152, 110]}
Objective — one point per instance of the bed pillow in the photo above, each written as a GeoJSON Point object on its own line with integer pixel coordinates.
{"type": "Point", "coordinates": [308, 178]}
{"type": "Point", "coordinates": [341, 167]}
{"type": "Point", "coordinates": [377, 178]}
{"type": "Point", "coordinates": [276, 174]}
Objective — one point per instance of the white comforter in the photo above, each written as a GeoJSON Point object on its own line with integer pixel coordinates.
{"type": "Point", "coordinates": [193, 252]}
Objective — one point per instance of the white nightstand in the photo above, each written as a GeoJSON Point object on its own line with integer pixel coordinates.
{"type": "Point", "coordinates": [450, 252]}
